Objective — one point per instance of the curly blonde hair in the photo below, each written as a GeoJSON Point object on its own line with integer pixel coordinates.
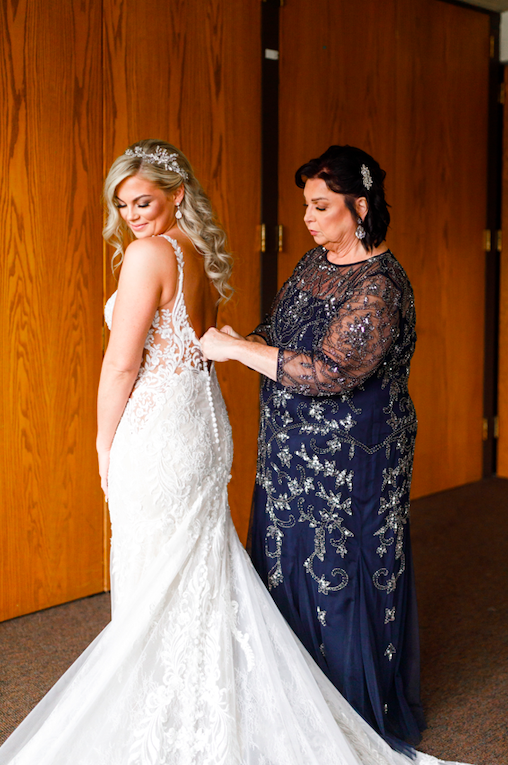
{"type": "Point", "coordinates": [198, 220]}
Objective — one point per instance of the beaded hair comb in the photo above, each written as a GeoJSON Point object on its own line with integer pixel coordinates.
{"type": "Point", "coordinates": [160, 157]}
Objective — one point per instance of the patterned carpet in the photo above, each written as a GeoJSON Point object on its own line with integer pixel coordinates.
{"type": "Point", "coordinates": [460, 542]}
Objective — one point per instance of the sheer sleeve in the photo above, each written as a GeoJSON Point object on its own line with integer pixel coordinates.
{"type": "Point", "coordinates": [264, 329]}
{"type": "Point", "coordinates": [356, 341]}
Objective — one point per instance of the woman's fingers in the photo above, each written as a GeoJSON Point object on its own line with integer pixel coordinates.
{"type": "Point", "coordinates": [216, 345]}
{"type": "Point", "coordinates": [230, 331]}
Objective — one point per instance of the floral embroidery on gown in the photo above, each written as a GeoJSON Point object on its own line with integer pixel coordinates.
{"type": "Point", "coordinates": [330, 521]}
{"type": "Point", "coordinates": [197, 666]}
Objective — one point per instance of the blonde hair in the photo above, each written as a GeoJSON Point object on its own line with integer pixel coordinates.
{"type": "Point", "coordinates": [198, 220]}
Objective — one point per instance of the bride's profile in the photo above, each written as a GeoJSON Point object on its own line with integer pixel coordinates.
{"type": "Point", "coordinates": [197, 666]}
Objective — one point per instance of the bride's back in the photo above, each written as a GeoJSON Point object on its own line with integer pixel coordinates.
{"type": "Point", "coordinates": [200, 296]}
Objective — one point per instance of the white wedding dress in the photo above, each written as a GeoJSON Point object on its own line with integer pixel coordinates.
{"type": "Point", "coordinates": [197, 666]}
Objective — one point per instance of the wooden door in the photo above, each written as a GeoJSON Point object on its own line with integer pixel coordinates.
{"type": "Point", "coordinates": [502, 444]}
{"type": "Point", "coordinates": [189, 73]}
{"type": "Point", "coordinates": [50, 308]}
{"type": "Point", "coordinates": [409, 84]}
{"type": "Point", "coordinates": [176, 70]}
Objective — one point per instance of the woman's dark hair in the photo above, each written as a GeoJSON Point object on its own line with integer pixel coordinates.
{"type": "Point", "coordinates": [340, 167]}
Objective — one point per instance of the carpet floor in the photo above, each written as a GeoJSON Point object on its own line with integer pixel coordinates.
{"type": "Point", "coordinates": [460, 545]}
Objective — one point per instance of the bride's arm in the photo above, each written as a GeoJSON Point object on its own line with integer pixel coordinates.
{"type": "Point", "coordinates": [139, 293]}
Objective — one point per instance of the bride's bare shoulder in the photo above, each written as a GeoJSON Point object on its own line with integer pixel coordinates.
{"type": "Point", "coordinates": [152, 253]}
{"type": "Point", "coordinates": [151, 246]}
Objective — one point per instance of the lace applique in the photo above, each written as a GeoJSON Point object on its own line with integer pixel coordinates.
{"type": "Point", "coordinates": [171, 346]}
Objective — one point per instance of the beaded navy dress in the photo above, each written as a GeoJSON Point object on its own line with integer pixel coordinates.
{"type": "Point", "coordinates": [330, 528]}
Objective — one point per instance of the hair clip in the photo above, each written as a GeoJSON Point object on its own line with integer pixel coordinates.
{"type": "Point", "coordinates": [366, 177]}
{"type": "Point", "coordinates": [159, 157]}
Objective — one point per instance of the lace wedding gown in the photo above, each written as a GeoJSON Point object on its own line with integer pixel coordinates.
{"type": "Point", "coordinates": [197, 666]}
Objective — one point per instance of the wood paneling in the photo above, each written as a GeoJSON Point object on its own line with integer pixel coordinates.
{"type": "Point", "coordinates": [502, 444]}
{"type": "Point", "coordinates": [50, 305]}
{"type": "Point", "coordinates": [410, 88]}
{"type": "Point", "coordinates": [176, 70]}
{"type": "Point", "coordinates": [179, 71]}
{"type": "Point", "coordinates": [439, 201]}
{"type": "Point", "coordinates": [337, 86]}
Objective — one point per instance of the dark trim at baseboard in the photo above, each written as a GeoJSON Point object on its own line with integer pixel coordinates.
{"type": "Point", "coordinates": [269, 150]}
{"type": "Point", "coordinates": [492, 258]}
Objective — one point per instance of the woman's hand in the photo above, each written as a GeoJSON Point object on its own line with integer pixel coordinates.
{"type": "Point", "coordinates": [104, 455]}
{"type": "Point", "coordinates": [226, 344]}
{"type": "Point", "coordinates": [230, 331]}
{"type": "Point", "coordinates": [217, 345]}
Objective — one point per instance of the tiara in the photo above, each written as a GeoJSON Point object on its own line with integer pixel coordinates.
{"type": "Point", "coordinates": [159, 157]}
{"type": "Point", "coordinates": [366, 176]}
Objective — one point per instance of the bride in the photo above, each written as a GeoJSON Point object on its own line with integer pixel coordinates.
{"type": "Point", "coordinates": [197, 666]}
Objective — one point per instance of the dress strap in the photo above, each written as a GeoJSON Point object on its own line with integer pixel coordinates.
{"type": "Point", "coordinates": [179, 258]}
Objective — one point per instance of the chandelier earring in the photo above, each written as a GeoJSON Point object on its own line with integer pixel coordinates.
{"type": "Point", "coordinates": [360, 231]}
{"type": "Point", "coordinates": [178, 213]}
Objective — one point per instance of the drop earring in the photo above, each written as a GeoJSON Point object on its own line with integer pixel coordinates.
{"type": "Point", "coordinates": [178, 213]}
{"type": "Point", "coordinates": [360, 231]}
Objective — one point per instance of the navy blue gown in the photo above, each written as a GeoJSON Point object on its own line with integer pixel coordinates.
{"type": "Point", "coordinates": [329, 530]}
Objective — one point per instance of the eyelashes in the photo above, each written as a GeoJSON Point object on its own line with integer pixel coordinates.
{"type": "Point", "coordinates": [121, 207]}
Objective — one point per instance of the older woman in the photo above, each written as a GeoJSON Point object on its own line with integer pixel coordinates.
{"type": "Point", "coordinates": [330, 528]}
